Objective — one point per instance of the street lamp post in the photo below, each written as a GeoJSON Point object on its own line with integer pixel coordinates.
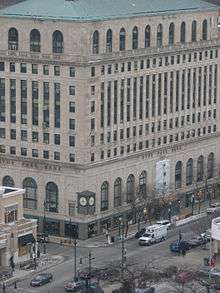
{"type": "Point", "coordinates": [192, 203]}
{"type": "Point", "coordinates": [169, 211]}
{"type": "Point", "coordinates": [75, 244]}
{"type": "Point", "coordinates": [44, 228]}
{"type": "Point", "coordinates": [123, 250]}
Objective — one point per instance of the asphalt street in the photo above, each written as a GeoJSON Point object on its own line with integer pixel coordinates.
{"type": "Point", "coordinates": [105, 256]}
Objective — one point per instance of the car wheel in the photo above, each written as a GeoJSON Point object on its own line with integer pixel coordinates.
{"type": "Point", "coordinates": [163, 239]}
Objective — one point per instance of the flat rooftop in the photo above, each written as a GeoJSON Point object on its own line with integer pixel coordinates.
{"type": "Point", "coordinates": [94, 10]}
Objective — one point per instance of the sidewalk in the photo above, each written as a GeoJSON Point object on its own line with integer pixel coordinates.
{"type": "Point", "coordinates": [101, 241]}
{"type": "Point", "coordinates": [45, 262]}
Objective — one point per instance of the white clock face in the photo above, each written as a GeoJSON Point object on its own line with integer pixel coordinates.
{"type": "Point", "coordinates": [91, 201]}
{"type": "Point", "coordinates": [83, 201]}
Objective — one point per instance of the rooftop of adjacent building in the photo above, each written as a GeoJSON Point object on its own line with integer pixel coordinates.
{"type": "Point", "coordinates": [91, 10]}
{"type": "Point", "coordinates": [5, 191]}
{"type": "Point", "coordinates": [5, 3]}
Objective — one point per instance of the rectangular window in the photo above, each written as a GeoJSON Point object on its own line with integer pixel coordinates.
{"type": "Point", "coordinates": [46, 69]}
{"type": "Point", "coordinates": [24, 152]}
{"type": "Point", "coordinates": [57, 105]}
{"type": "Point", "coordinates": [72, 72]}
{"type": "Point", "coordinates": [72, 157]}
{"type": "Point", "coordinates": [35, 136]}
{"type": "Point", "coordinates": [57, 139]}
{"type": "Point", "coordinates": [72, 124]}
{"type": "Point", "coordinates": [72, 140]}
{"type": "Point", "coordinates": [92, 106]}
{"type": "Point", "coordinates": [35, 106]}
{"type": "Point", "coordinates": [46, 138]}
{"type": "Point", "coordinates": [72, 90]}
{"type": "Point", "coordinates": [12, 100]}
{"type": "Point", "coordinates": [72, 107]}
{"type": "Point", "coordinates": [23, 68]}
{"type": "Point", "coordinates": [92, 124]}
{"type": "Point", "coordinates": [24, 135]}
{"type": "Point", "coordinates": [57, 70]}
{"type": "Point", "coordinates": [34, 153]}
{"type": "Point", "coordinates": [34, 69]}
{"type": "Point", "coordinates": [46, 154]}
{"type": "Point", "coordinates": [92, 71]}
{"type": "Point", "coordinates": [2, 66]}
{"type": "Point", "coordinates": [2, 132]}
{"type": "Point", "coordinates": [13, 133]}
{"type": "Point", "coordinates": [57, 156]}
{"type": "Point", "coordinates": [12, 67]}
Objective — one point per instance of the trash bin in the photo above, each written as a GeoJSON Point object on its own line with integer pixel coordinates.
{"type": "Point", "coordinates": [206, 261]}
{"type": "Point", "coordinates": [112, 238]}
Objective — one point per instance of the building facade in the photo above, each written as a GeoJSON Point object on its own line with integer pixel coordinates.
{"type": "Point", "coordinates": [17, 234]}
{"type": "Point", "coordinates": [103, 107]}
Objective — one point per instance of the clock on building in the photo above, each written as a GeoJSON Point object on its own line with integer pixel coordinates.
{"type": "Point", "coordinates": [91, 201]}
{"type": "Point", "coordinates": [83, 201]}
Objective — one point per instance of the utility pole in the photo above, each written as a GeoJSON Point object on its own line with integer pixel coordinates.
{"type": "Point", "coordinates": [123, 251]}
{"type": "Point", "coordinates": [44, 226]}
{"type": "Point", "coordinates": [75, 244]}
{"type": "Point", "coordinates": [90, 258]}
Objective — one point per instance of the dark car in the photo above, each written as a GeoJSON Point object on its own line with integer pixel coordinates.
{"type": "Point", "coordinates": [140, 233]}
{"type": "Point", "coordinates": [41, 279]}
{"type": "Point", "coordinates": [178, 245]}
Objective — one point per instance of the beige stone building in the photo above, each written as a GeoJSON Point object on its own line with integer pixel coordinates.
{"type": "Point", "coordinates": [104, 102]}
{"type": "Point", "coordinates": [17, 234]}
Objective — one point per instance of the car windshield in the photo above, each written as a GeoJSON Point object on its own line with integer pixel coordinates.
{"type": "Point", "coordinates": [38, 278]}
{"type": "Point", "coordinates": [147, 235]}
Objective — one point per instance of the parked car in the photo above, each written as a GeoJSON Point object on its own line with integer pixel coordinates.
{"type": "Point", "coordinates": [41, 279]}
{"type": "Point", "coordinates": [177, 245]}
{"type": "Point", "coordinates": [73, 286]}
{"type": "Point", "coordinates": [164, 223]}
{"type": "Point", "coordinates": [40, 238]}
{"type": "Point", "coordinates": [213, 208]}
{"type": "Point", "coordinates": [196, 241]}
{"type": "Point", "coordinates": [140, 233]}
{"type": "Point", "coordinates": [154, 234]}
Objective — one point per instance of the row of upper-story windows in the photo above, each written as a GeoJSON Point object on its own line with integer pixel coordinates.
{"type": "Point", "coordinates": [35, 69]}
{"type": "Point", "coordinates": [135, 43]}
{"type": "Point", "coordinates": [58, 39]}
{"type": "Point", "coordinates": [155, 62]}
{"type": "Point", "coordinates": [46, 154]}
{"type": "Point", "coordinates": [155, 142]}
{"type": "Point", "coordinates": [157, 127]}
{"type": "Point", "coordinates": [36, 136]}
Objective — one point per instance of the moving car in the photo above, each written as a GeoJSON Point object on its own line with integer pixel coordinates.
{"type": "Point", "coordinates": [176, 245]}
{"type": "Point", "coordinates": [154, 234]}
{"type": "Point", "coordinates": [213, 208]}
{"type": "Point", "coordinates": [164, 223]}
{"type": "Point", "coordinates": [73, 286]}
{"type": "Point", "coordinates": [41, 279]}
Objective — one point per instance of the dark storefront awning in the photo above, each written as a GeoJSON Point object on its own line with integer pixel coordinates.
{"type": "Point", "coordinates": [26, 239]}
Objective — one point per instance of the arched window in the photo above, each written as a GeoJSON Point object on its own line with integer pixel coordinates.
{"type": "Point", "coordinates": [130, 188]}
{"type": "Point", "coordinates": [52, 196]}
{"type": "Point", "coordinates": [200, 168]}
{"type": "Point", "coordinates": [117, 192]}
{"type": "Point", "coordinates": [122, 39]}
{"type": "Point", "coordinates": [159, 35]}
{"type": "Point", "coordinates": [109, 41]}
{"type": "Point", "coordinates": [171, 33]}
{"type": "Point", "coordinates": [183, 32]}
{"type": "Point", "coordinates": [194, 31]}
{"type": "Point", "coordinates": [12, 39]}
{"type": "Point", "coordinates": [30, 196]}
{"type": "Point", "coordinates": [210, 166]}
{"type": "Point", "coordinates": [205, 29]}
{"type": "Point", "coordinates": [189, 172]}
{"type": "Point", "coordinates": [35, 41]}
{"type": "Point", "coordinates": [178, 175]}
{"type": "Point", "coordinates": [135, 38]}
{"type": "Point", "coordinates": [95, 43]}
{"type": "Point", "coordinates": [143, 184]}
{"type": "Point", "coordinates": [58, 46]}
{"type": "Point", "coordinates": [104, 196]}
{"type": "Point", "coordinates": [8, 181]}
{"type": "Point", "coordinates": [147, 36]}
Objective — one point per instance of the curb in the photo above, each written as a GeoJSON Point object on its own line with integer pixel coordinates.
{"type": "Point", "coordinates": [14, 279]}
{"type": "Point", "coordinates": [130, 236]}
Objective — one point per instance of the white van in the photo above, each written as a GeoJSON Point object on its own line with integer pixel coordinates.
{"type": "Point", "coordinates": [153, 234]}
